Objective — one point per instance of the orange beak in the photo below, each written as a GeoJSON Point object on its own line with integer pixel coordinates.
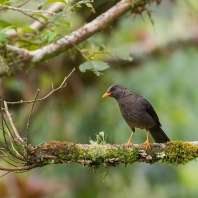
{"type": "Point", "coordinates": [106, 94]}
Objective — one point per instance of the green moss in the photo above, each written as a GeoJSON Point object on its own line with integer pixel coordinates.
{"type": "Point", "coordinates": [112, 156]}
{"type": "Point", "coordinates": [97, 154]}
{"type": "Point", "coordinates": [57, 152]}
{"type": "Point", "coordinates": [178, 152]}
{"type": "Point", "coordinates": [128, 155]}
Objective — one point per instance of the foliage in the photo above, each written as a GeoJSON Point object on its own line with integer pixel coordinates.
{"type": "Point", "coordinates": [165, 75]}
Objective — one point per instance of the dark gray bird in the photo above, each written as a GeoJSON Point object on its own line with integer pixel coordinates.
{"type": "Point", "coordinates": [138, 113]}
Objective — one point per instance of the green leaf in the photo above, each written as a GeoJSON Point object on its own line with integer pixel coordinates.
{"type": "Point", "coordinates": [95, 66]}
{"type": "Point", "coordinates": [96, 43]}
{"type": "Point", "coordinates": [122, 53]}
{"type": "Point", "coordinates": [3, 37]}
{"type": "Point", "coordinates": [40, 16]}
{"type": "Point", "coordinates": [51, 35]}
{"type": "Point", "coordinates": [27, 29]}
{"type": "Point", "coordinates": [40, 6]}
{"type": "Point", "coordinates": [4, 23]}
{"type": "Point", "coordinates": [4, 30]}
{"type": "Point", "coordinates": [56, 17]}
{"type": "Point", "coordinates": [50, 1]}
{"type": "Point", "coordinates": [89, 5]}
{"type": "Point", "coordinates": [4, 2]}
{"type": "Point", "coordinates": [15, 1]}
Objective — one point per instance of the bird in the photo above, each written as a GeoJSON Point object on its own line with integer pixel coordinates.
{"type": "Point", "coordinates": [138, 113]}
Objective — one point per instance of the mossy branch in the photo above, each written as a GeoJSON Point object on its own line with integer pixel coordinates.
{"type": "Point", "coordinates": [55, 152]}
{"type": "Point", "coordinates": [106, 155]}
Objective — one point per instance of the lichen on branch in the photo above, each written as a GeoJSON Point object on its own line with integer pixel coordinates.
{"type": "Point", "coordinates": [110, 155]}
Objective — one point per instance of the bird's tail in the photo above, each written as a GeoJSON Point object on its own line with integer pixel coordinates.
{"type": "Point", "coordinates": [158, 134]}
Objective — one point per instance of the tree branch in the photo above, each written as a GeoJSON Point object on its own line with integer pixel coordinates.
{"type": "Point", "coordinates": [107, 155]}
{"type": "Point", "coordinates": [38, 24]}
{"type": "Point", "coordinates": [140, 50]}
{"type": "Point", "coordinates": [9, 115]}
{"type": "Point", "coordinates": [27, 58]}
{"type": "Point", "coordinates": [95, 154]}
{"type": "Point", "coordinates": [5, 7]}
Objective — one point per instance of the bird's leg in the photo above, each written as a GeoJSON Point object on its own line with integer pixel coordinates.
{"type": "Point", "coordinates": [129, 141]}
{"type": "Point", "coordinates": [146, 143]}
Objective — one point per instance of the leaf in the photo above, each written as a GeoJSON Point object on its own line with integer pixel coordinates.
{"type": "Point", "coordinates": [14, 1]}
{"type": "Point", "coordinates": [4, 23]}
{"type": "Point", "coordinates": [40, 6]}
{"type": "Point", "coordinates": [51, 35]}
{"type": "Point", "coordinates": [4, 30]}
{"type": "Point", "coordinates": [122, 53]}
{"type": "Point", "coordinates": [27, 29]}
{"type": "Point", "coordinates": [5, 2]}
{"type": "Point", "coordinates": [96, 43]}
{"type": "Point", "coordinates": [3, 37]}
{"type": "Point", "coordinates": [95, 66]}
{"type": "Point", "coordinates": [40, 16]}
{"type": "Point", "coordinates": [56, 17]}
{"type": "Point", "coordinates": [89, 5]}
{"type": "Point", "coordinates": [50, 1]}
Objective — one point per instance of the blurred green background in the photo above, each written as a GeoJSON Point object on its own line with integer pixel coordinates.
{"type": "Point", "coordinates": [164, 71]}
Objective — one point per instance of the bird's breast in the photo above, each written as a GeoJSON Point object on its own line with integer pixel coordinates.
{"type": "Point", "coordinates": [136, 116]}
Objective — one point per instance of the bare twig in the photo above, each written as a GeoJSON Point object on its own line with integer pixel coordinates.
{"type": "Point", "coordinates": [4, 174]}
{"type": "Point", "coordinates": [21, 168]}
{"type": "Point", "coordinates": [8, 152]}
{"type": "Point", "coordinates": [19, 153]}
{"type": "Point", "coordinates": [28, 122]}
{"type": "Point", "coordinates": [9, 158]}
{"type": "Point", "coordinates": [63, 84]}
{"type": "Point", "coordinates": [12, 139]}
{"type": "Point", "coordinates": [23, 3]}
{"type": "Point", "coordinates": [32, 17]}
{"type": "Point", "coordinates": [12, 123]}
{"type": "Point", "coordinates": [4, 7]}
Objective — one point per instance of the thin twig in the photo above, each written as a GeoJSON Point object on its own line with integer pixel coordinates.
{"type": "Point", "coordinates": [12, 123]}
{"type": "Point", "coordinates": [23, 3]}
{"type": "Point", "coordinates": [19, 168]}
{"type": "Point", "coordinates": [63, 84]}
{"type": "Point", "coordinates": [2, 124]}
{"type": "Point", "coordinates": [28, 122]}
{"type": "Point", "coordinates": [4, 7]}
{"type": "Point", "coordinates": [32, 17]}
{"type": "Point", "coordinates": [20, 157]}
{"type": "Point", "coordinates": [5, 174]}
{"type": "Point", "coordinates": [12, 139]}
{"type": "Point", "coordinates": [9, 157]}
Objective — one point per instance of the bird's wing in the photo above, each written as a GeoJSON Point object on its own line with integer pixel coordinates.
{"type": "Point", "coordinates": [151, 111]}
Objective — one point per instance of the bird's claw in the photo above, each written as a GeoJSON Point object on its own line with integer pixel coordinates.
{"type": "Point", "coordinates": [147, 144]}
{"type": "Point", "coordinates": [128, 144]}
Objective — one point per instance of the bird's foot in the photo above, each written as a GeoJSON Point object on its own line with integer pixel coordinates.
{"type": "Point", "coordinates": [146, 144]}
{"type": "Point", "coordinates": [128, 144]}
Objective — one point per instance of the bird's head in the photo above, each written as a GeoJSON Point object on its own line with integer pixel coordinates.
{"type": "Point", "coordinates": [114, 91]}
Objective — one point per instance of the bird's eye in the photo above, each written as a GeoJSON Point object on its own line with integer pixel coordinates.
{"type": "Point", "coordinates": [113, 89]}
